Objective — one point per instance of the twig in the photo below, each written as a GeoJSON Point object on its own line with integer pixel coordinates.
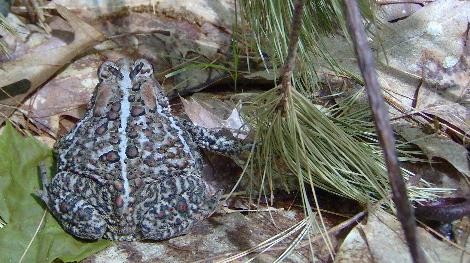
{"type": "Point", "coordinates": [384, 130]}
{"type": "Point", "coordinates": [286, 74]}
{"type": "Point", "coordinates": [387, 2]}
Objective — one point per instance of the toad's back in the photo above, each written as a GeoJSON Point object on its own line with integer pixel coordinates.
{"type": "Point", "coordinates": [128, 131]}
{"type": "Point", "coordinates": [127, 141]}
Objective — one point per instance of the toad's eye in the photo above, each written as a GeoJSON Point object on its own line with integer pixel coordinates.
{"type": "Point", "coordinates": [115, 72]}
{"type": "Point", "coordinates": [109, 70]}
{"type": "Point", "coordinates": [142, 69]}
{"type": "Point", "coordinates": [136, 70]}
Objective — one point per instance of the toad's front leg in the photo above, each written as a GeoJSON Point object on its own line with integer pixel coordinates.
{"type": "Point", "coordinates": [218, 140]}
{"type": "Point", "coordinates": [64, 197]}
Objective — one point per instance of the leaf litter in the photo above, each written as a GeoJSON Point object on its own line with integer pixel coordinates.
{"type": "Point", "coordinates": [21, 77]}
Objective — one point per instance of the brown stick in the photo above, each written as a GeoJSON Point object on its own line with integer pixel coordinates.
{"type": "Point", "coordinates": [387, 2]}
{"type": "Point", "coordinates": [289, 63]}
{"type": "Point", "coordinates": [382, 125]}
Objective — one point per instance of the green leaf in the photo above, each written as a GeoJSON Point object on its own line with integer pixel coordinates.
{"type": "Point", "coordinates": [31, 233]}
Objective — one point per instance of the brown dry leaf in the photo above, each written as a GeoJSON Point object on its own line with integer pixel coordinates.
{"type": "Point", "coordinates": [21, 77]}
{"type": "Point", "coordinates": [381, 240]}
{"type": "Point", "coordinates": [431, 47]}
{"type": "Point", "coordinates": [219, 12]}
{"type": "Point", "coordinates": [203, 117]}
{"type": "Point", "coordinates": [435, 145]}
{"type": "Point", "coordinates": [168, 33]}
{"type": "Point", "coordinates": [65, 95]}
{"type": "Point", "coordinates": [396, 11]}
{"type": "Point", "coordinates": [354, 249]}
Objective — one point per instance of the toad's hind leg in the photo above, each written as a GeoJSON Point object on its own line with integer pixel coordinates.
{"type": "Point", "coordinates": [64, 197]}
{"type": "Point", "coordinates": [178, 204]}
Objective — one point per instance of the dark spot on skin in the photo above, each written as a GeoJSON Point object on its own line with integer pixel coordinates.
{"type": "Point", "coordinates": [119, 201]}
{"type": "Point", "coordinates": [132, 131]}
{"type": "Point", "coordinates": [112, 115]}
{"type": "Point", "coordinates": [150, 161]}
{"type": "Point", "coordinates": [111, 156]}
{"type": "Point", "coordinates": [148, 132]}
{"type": "Point", "coordinates": [148, 146]}
{"type": "Point", "coordinates": [64, 208]}
{"type": "Point", "coordinates": [133, 134]}
{"type": "Point", "coordinates": [137, 111]}
{"type": "Point", "coordinates": [116, 107]}
{"type": "Point", "coordinates": [114, 140]}
{"type": "Point", "coordinates": [118, 185]}
{"type": "Point", "coordinates": [136, 86]}
{"type": "Point", "coordinates": [132, 151]}
{"type": "Point", "coordinates": [178, 221]}
{"type": "Point", "coordinates": [182, 206]}
{"type": "Point", "coordinates": [102, 129]}
{"type": "Point", "coordinates": [84, 214]}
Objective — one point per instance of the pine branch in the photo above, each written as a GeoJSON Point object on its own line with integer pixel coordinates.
{"type": "Point", "coordinates": [382, 124]}
{"type": "Point", "coordinates": [287, 71]}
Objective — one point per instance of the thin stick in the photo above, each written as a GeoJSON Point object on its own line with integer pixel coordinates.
{"type": "Point", "coordinates": [289, 63]}
{"type": "Point", "coordinates": [382, 125]}
{"type": "Point", "coordinates": [387, 2]}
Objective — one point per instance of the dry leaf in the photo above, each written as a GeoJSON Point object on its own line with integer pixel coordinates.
{"type": "Point", "coordinates": [21, 77]}
{"type": "Point", "coordinates": [169, 33]}
{"type": "Point", "coordinates": [202, 117]}
{"type": "Point", "coordinates": [381, 240]}
{"type": "Point", "coordinates": [435, 145]}
{"type": "Point", "coordinates": [432, 48]}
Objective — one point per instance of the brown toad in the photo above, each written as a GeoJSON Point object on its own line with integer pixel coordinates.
{"type": "Point", "coordinates": [129, 169]}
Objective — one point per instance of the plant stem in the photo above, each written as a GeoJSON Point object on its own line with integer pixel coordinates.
{"type": "Point", "coordinates": [382, 125]}
{"type": "Point", "coordinates": [288, 68]}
